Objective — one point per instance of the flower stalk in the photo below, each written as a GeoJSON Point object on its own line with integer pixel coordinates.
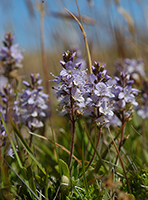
{"type": "Point", "coordinates": [72, 131]}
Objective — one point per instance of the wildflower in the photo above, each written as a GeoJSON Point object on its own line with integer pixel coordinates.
{"type": "Point", "coordinates": [142, 108]}
{"type": "Point", "coordinates": [124, 99]}
{"type": "Point", "coordinates": [131, 66]}
{"type": "Point", "coordinates": [78, 57]}
{"type": "Point", "coordinates": [98, 95]}
{"type": "Point", "coordinates": [128, 95]}
{"type": "Point", "coordinates": [3, 82]}
{"type": "Point", "coordinates": [10, 55]}
{"type": "Point", "coordinates": [10, 151]}
{"type": "Point", "coordinates": [135, 67]}
{"type": "Point", "coordinates": [142, 111]}
{"type": "Point", "coordinates": [70, 84]}
{"type": "Point", "coordinates": [32, 107]}
{"type": "Point", "coordinates": [4, 107]}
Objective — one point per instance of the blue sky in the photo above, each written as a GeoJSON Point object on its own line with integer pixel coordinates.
{"type": "Point", "coordinates": [14, 17]}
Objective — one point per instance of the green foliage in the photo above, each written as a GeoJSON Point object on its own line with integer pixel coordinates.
{"type": "Point", "coordinates": [64, 167]}
{"type": "Point", "coordinates": [139, 184]}
{"type": "Point", "coordinates": [93, 194]}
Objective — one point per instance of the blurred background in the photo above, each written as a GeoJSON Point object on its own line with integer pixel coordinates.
{"type": "Point", "coordinates": [115, 29]}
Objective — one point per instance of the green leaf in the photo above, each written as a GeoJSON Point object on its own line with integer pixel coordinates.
{"type": "Point", "coordinates": [75, 171]}
{"type": "Point", "coordinates": [11, 141]}
{"type": "Point", "coordinates": [32, 192]}
{"type": "Point", "coordinates": [64, 167]}
{"type": "Point", "coordinates": [83, 168]}
{"type": "Point", "coordinates": [26, 147]}
{"type": "Point", "coordinates": [30, 179]}
{"type": "Point", "coordinates": [106, 195]}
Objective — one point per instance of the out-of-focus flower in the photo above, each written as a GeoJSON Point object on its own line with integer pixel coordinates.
{"type": "Point", "coordinates": [124, 99]}
{"type": "Point", "coordinates": [32, 107]}
{"type": "Point", "coordinates": [78, 57]}
{"type": "Point", "coordinates": [2, 129]}
{"type": "Point", "coordinates": [10, 151]}
{"type": "Point", "coordinates": [131, 66]}
{"type": "Point", "coordinates": [142, 108]}
{"type": "Point", "coordinates": [3, 82]}
{"type": "Point", "coordinates": [10, 55]}
{"type": "Point", "coordinates": [135, 67]}
{"type": "Point", "coordinates": [4, 107]}
{"type": "Point", "coordinates": [142, 111]}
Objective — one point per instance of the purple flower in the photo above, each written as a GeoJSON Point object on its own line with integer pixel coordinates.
{"type": "Point", "coordinates": [142, 108]}
{"type": "Point", "coordinates": [10, 55]}
{"type": "Point", "coordinates": [3, 82]}
{"type": "Point", "coordinates": [124, 99]}
{"type": "Point", "coordinates": [16, 55]}
{"type": "Point", "coordinates": [10, 151]}
{"type": "Point", "coordinates": [113, 121]}
{"type": "Point", "coordinates": [128, 95]}
{"type": "Point", "coordinates": [142, 111]}
{"type": "Point", "coordinates": [98, 95]}
{"type": "Point", "coordinates": [78, 57]}
{"type": "Point", "coordinates": [131, 66]}
{"type": "Point", "coordinates": [105, 108]}
{"type": "Point", "coordinates": [4, 108]}
{"type": "Point", "coordinates": [32, 107]}
{"type": "Point", "coordinates": [135, 67]}
{"type": "Point", "coordinates": [2, 129]}
{"type": "Point", "coordinates": [101, 89]}
{"type": "Point", "coordinates": [9, 37]}
{"type": "Point", "coordinates": [70, 85]}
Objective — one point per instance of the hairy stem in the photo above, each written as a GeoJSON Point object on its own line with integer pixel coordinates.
{"type": "Point", "coordinates": [72, 130]}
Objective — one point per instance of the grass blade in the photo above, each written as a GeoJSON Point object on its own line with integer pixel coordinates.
{"type": "Point", "coordinates": [23, 181]}
{"type": "Point", "coordinates": [26, 147]}
{"type": "Point", "coordinates": [11, 141]}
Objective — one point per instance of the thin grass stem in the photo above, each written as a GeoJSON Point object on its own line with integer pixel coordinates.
{"type": "Point", "coordinates": [122, 164]}
{"type": "Point", "coordinates": [58, 145]}
{"type": "Point", "coordinates": [85, 39]}
{"type": "Point", "coordinates": [98, 140]}
{"type": "Point", "coordinates": [45, 69]}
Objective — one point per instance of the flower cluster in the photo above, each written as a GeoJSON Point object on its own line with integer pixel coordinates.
{"type": "Point", "coordinates": [70, 83]}
{"type": "Point", "coordinates": [91, 96]}
{"type": "Point", "coordinates": [98, 95]}
{"type": "Point", "coordinates": [124, 98]}
{"type": "Point", "coordinates": [142, 108]}
{"type": "Point", "coordinates": [5, 111]}
{"type": "Point", "coordinates": [32, 107]}
{"type": "Point", "coordinates": [10, 55]}
{"type": "Point", "coordinates": [2, 129]}
{"type": "Point", "coordinates": [78, 57]}
{"type": "Point", "coordinates": [131, 66]}
{"type": "Point", "coordinates": [4, 107]}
